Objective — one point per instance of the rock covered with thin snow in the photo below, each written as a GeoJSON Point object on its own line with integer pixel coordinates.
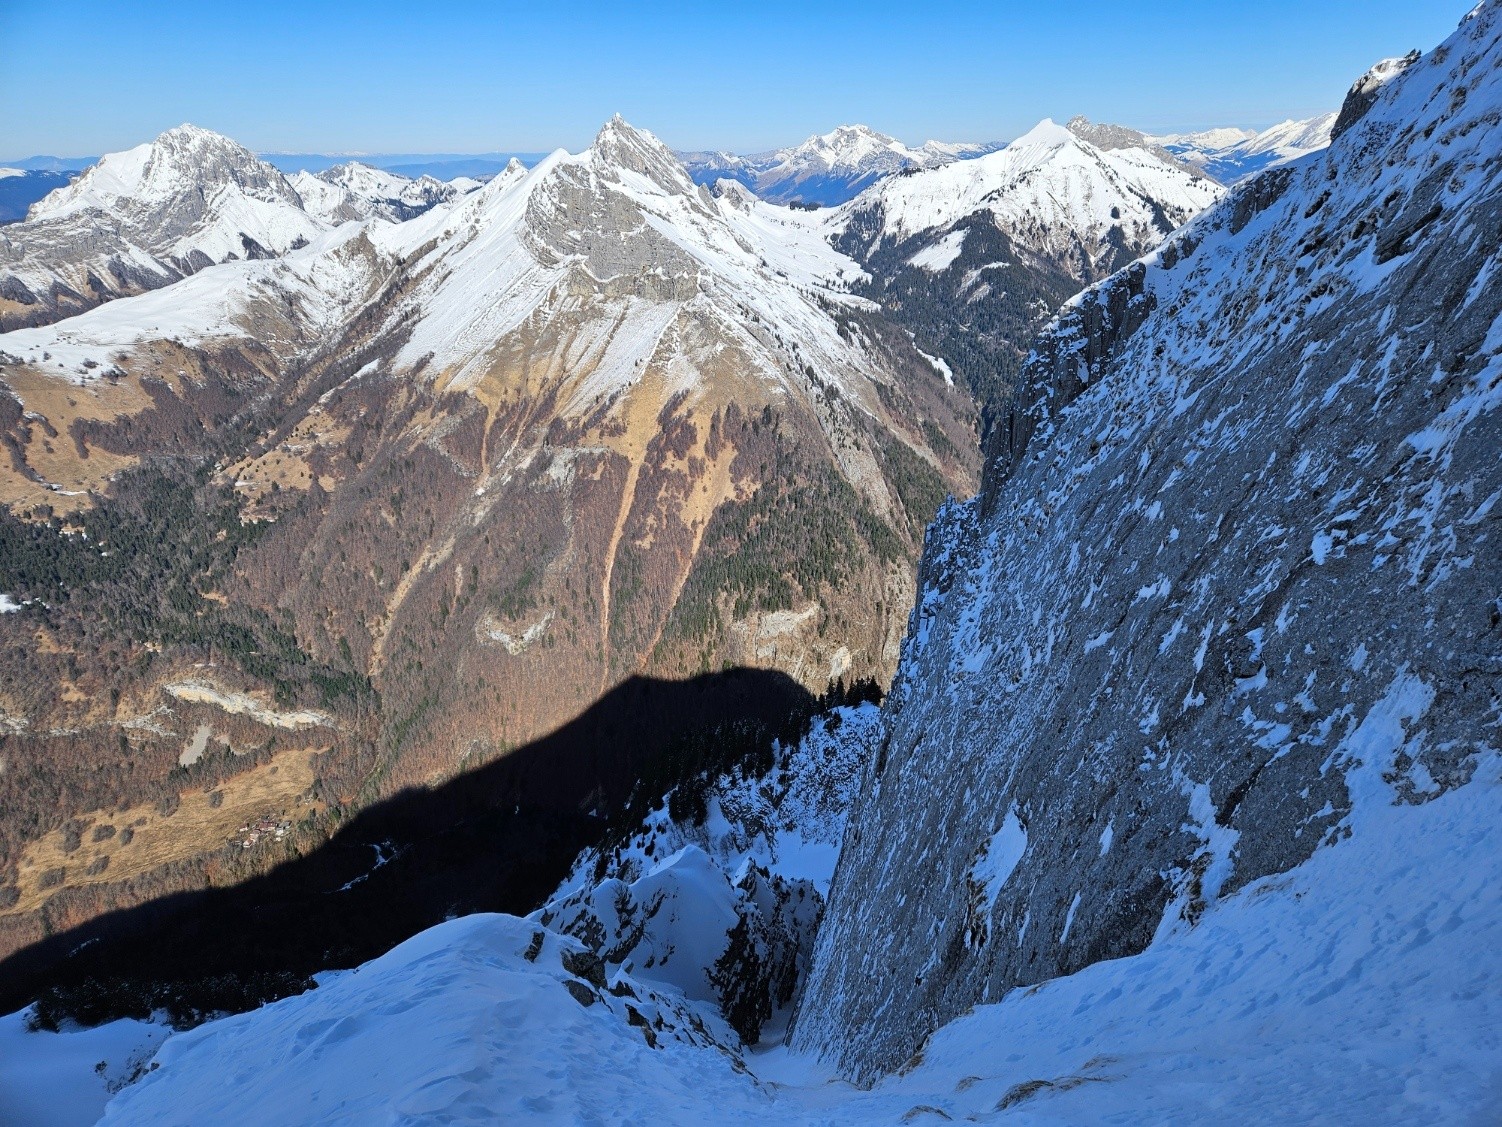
{"type": "Point", "coordinates": [1235, 539]}
{"type": "Point", "coordinates": [1365, 89]}
{"type": "Point", "coordinates": [724, 906]}
{"type": "Point", "coordinates": [1105, 135]}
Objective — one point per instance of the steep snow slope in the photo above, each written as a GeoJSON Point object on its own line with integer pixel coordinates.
{"type": "Point", "coordinates": [65, 1079]}
{"type": "Point", "coordinates": [1235, 538]}
{"type": "Point", "coordinates": [1230, 154]}
{"type": "Point", "coordinates": [1357, 988]}
{"type": "Point", "coordinates": [481, 1020]}
{"type": "Point", "coordinates": [20, 188]}
{"type": "Point", "coordinates": [140, 219]}
{"type": "Point", "coordinates": [289, 304]}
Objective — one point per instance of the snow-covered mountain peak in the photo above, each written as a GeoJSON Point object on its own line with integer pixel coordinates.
{"type": "Point", "coordinates": [850, 146]}
{"type": "Point", "coordinates": [734, 194]}
{"type": "Point", "coordinates": [621, 144]}
{"type": "Point", "coordinates": [190, 136]}
{"type": "Point", "coordinates": [827, 168]}
{"type": "Point", "coordinates": [353, 191]}
{"type": "Point", "coordinates": [1050, 187]}
{"type": "Point", "coordinates": [182, 159]}
{"type": "Point", "coordinates": [144, 218]}
{"type": "Point", "coordinates": [848, 149]}
{"type": "Point", "coordinates": [620, 230]}
{"type": "Point", "coordinates": [1365, 89]}
{"type": "Point", "coordinates": [1047, 133]}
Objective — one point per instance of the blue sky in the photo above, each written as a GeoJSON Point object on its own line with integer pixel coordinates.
{"type": "Point", "coordinates": [87, 77]}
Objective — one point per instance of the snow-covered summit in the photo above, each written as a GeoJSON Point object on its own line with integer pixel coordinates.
{"type": "Point", "coordinates": [620, 145]}
{"type": "Point", "coordinates": [1050, 189]}
{"type": "Point", "coordinates": [181, 160]}
{"type": "Point", "coordinates": [973, 256]}
{"type": "Point", "coordinates": [851, 148]}
{"type": "Point", "coordinates": [143, 218]}
{"type": "Point", "coordinates": [625, 219]}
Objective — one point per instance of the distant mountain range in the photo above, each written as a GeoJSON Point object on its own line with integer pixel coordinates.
{"type": "Point", "coordinates": [440, 166]}
{"type": "Point", "coordinates": [1233, 154]}
{"type": "Point", "coordinates": [974, 256]}
{"type": "Point", "coordinates": [826, 169]}
{"type": "Point", "coordinates": [835, 167]}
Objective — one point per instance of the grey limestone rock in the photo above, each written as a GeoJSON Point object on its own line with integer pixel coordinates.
{"type": "Point", "coordinates": [1239, 537]}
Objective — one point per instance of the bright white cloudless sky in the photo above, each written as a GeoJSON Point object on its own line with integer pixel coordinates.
{"type": "Point", "coordinates": [79, 78]}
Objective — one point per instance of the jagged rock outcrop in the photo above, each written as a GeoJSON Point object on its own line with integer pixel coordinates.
{"type": "Point", "coordinates": [1364, 91]}
{"type": "Point", "coordinates": [720, 892]}
{"type": "Point", "coordinates": [1108, 136]}
{"type": "Point", "coordinates": [1239, 542]}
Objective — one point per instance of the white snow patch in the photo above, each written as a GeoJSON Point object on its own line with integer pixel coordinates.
{"type": "Point", "coordinates": [999, 856]}
{"type": "Point", "coordinates": [937, 257]}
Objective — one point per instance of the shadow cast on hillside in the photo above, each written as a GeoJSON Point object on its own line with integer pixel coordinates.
{"type": "Point", "coordinates": [499, 838]}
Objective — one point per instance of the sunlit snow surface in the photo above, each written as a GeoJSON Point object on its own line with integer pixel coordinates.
{"type": "Point", "coordinates": [1048, 184]}
{"type": "Point", "coordinates": [1359, 988]}
{"type": "Point", "coordinates": [1232, 154]}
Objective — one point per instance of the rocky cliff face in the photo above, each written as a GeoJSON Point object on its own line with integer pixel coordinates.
{"type": "Point", "coordinates": [1237, 538]}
